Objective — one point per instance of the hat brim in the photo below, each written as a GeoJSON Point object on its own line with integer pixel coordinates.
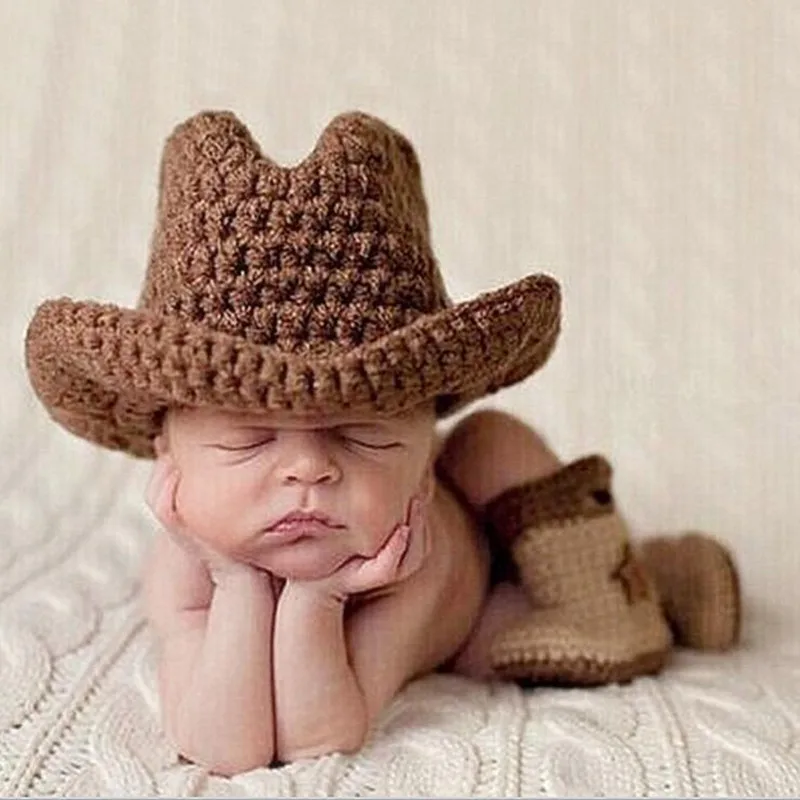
{"type": "Point", "coordinates": [108, 373]}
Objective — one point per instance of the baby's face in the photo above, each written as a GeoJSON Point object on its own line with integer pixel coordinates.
{"type": "Point", "coordinates": [240, 473]}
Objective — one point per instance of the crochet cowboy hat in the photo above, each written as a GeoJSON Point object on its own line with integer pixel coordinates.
{"type": "Point", "coordinates": [310, 288]}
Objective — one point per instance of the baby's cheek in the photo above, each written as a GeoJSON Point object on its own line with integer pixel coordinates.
{"type": "Point", "coordinates": [393, 511]}
{"type": "Point", "coordinates": [203, 510]}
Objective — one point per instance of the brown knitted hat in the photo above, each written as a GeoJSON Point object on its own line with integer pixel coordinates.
{"type": "Point", "coordinates": [310, 288]}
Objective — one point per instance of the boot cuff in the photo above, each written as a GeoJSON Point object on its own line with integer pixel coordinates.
{"type": "Point", "coordinates": [579, 490]}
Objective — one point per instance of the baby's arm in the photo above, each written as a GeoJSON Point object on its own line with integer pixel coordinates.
{"type": "Point", "coordinates": [215, 658]}
{"type": "Point", "coordinates": [334, 674]}
{"type": "Point", "coordinates": [319, 707]}
{"type": "Point", "coordinates": [335, 678]}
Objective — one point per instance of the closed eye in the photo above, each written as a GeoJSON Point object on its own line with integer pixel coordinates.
{"type": "Point", "coordinates": [261, 442]}
{"type": "Point", "coordinates": [374, 446]}
{"type": "Point", "coordinates": [241, 448]}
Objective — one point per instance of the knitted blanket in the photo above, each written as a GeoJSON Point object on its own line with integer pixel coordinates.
{"type": "Point", "coordinates": [79, 705]}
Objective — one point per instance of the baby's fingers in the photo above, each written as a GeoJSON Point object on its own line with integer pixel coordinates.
{"type": "Point", "coordinates": [383, 565]}
{"type": "Point", "coordinates": [155, 484]}
{"type": "Point", "coordinates": [164, 500]}
{"type": "Point", "coordinates": [169, 513]}
{"type": "Point", "coordinates": [160, 498]}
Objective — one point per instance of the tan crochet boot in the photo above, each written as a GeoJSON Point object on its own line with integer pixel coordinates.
{"type": "Point", "coordinates": [596, 616]}
{"type": "Point", "coordinates": [699, 588]}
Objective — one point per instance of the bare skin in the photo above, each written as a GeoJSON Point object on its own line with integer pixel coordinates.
{"type": "Point", "coordinates": [274, 649]}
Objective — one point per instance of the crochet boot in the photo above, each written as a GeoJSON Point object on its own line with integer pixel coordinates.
{"type": "Point", "coordinates": [699, 588]}
{"type": "Point", "coordinates": [596, 617]}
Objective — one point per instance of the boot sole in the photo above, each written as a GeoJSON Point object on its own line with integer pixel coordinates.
{"type": "Point", "coordinates": [581, 671]}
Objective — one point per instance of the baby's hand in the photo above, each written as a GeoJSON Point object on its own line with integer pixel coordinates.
{"type": "Point", "coordinates": [160, 498]}
{"type": "Point", "coordinates": [399, 557]}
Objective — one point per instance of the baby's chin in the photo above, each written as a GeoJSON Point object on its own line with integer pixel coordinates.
{"type": "Point", "coordinates": [301, 561]}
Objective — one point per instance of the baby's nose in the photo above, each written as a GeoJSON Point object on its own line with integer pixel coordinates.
{"type": "Point", "coordinates": [309, 465]}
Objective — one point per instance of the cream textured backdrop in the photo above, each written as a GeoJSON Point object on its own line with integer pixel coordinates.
{"type": "Point", "coordinates": [647, 154]}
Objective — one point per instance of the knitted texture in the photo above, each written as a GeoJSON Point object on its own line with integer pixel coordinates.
{"type": "Point", "coordinates": [305, 288]}
{"type": "Point", "coordinates": [699, 588]}
{"type": "Point", "coordinates": [579, 490]}
{"type": "Point", "coordinates": [601, 607]}
{"type": "Point", "coordinates": [596, 616]}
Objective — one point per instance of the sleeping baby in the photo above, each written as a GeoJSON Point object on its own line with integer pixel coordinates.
{"type": "Point", "coordinates": [323, 542]}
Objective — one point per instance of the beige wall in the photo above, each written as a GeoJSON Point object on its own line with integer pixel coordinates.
{"type": "Point", "coordinates": [645, 153]}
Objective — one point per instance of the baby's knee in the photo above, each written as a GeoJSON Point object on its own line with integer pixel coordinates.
{"type": "Point", "coordinates": [491, 450]}
{"type": "Point", "coordinates": [496, 436]}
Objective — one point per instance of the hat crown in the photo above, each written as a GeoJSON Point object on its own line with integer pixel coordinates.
{"type": "Point", "coordinates": [327, 254]}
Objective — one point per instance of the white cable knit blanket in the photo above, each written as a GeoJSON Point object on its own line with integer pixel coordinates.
{"type": "Point", "coordinates": [79, 707]}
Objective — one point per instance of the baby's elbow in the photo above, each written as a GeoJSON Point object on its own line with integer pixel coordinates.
{"type": "Point", "coordinates": [347, 740]}
{"type": "Point", "coordinates": [353, 740]}
{"type": "Point", "coordinates": [223, 757]}
{"type": "Point", "coordinates": [231, 763]}
{"type": "Point", "coordinates": [228, 768]}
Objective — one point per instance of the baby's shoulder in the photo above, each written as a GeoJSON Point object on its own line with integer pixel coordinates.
{"type": "Point", "coordinates": [464, 551]}
{"type": "Point", "coordinates": [458, 577]}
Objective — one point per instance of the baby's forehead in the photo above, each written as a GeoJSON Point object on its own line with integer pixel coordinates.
{"type": "Point", "coordinates": [306, 421]}
{"type": "Point", "coordinates": [294, 420]}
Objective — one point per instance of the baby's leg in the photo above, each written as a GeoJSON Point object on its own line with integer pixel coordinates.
{"type": "Point", "coordinates": [506, 604]}
{"type": "Point", "coordinates": [485, 454]}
